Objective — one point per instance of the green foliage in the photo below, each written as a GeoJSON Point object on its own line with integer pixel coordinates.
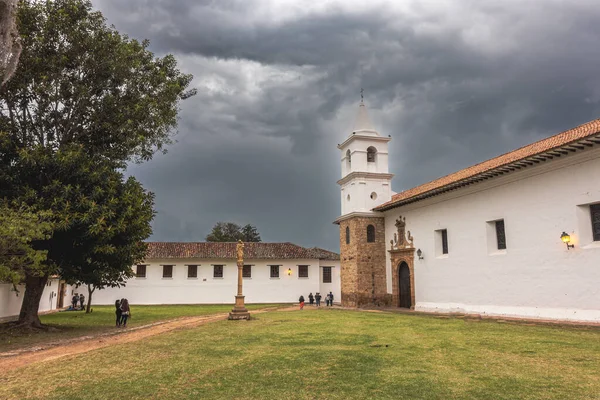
{"type": "Point", "coordinates": [81, 82]}
{"type": "Point", "coordinates": [100, 219]}
{"type": "Point", "coordinates": [230, 232]}
{"type": "Point", "coordinates": [250, 234]}
{"type": "Point", "coordinates": [19, 227]}
{"type": "Point", "coordinates": [83, 102]}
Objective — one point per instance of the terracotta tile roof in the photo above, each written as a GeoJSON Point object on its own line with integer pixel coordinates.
{"type": "Point", "coordinates": [215, 250]}
{"type": "Point", "coordinates": [581, 132]}
{"type": "Point", "coordinates": [323, 254]}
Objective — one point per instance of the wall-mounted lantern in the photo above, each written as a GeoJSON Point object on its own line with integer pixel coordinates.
{"type": "Point", "coordinates": [289, 271]}
{"type": "Point", "coordinates": [419, 252]}
{"type": "Point", "coordinates": [566, 238]}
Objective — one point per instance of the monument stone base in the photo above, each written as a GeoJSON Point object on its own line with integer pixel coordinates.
{"type": "Point", "coordinates": [239, 310]}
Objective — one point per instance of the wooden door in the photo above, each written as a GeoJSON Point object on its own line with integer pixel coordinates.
{"type": "Point", "coordinates": [404, 283]}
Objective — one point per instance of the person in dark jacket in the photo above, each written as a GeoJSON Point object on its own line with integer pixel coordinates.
{"type": "Point", "coordinates": [125, 312]}
{"type": "Point", "coordinates": [74, 300]}
{"type": "Point", "coordinates": [330, 298]}
{"type": "Point", "coordinates": [311, 299]}
{"type": "Point", "coordinates": [318, 299]}
{"type": "Point", "coordinates": [118, 312]}
{"type": "Point", "coordinates": [81, 300]}
{"type": "Point", "coordinates": [301, 300]}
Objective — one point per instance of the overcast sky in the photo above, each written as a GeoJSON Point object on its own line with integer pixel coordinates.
{"type": "Point", "coordinates": [453, 82]}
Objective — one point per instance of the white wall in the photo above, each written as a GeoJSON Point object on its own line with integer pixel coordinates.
{"type": "Point", "coordinates": [10, 301]}
{"type": "Point", "coordinates": [536, 276]}
{"type": "Point", "coordinates": [360, 191]}
{"type": "Point", "coordinates": [260, 288]}
{"type": "Point", "coordinates": [335, 286]}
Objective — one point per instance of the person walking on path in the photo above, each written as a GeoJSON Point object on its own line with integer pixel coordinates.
{"type": "Point", "coordinates": [81, 300]}
{"type": "Point", "coordinates": [125, 312]}
{"type": "Point", "coordinates": [301, 300]}
{"type": "Point", "coordinates": [118, 312]}
{"type": "Point", "coordinates": [330, 298]}
{"type": "Point", "coordinates": [318, 299]}
{"type": "Point", "coordinates": [311, 299]}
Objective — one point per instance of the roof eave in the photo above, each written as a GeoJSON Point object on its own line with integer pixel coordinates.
{"type": "Point", "coordinates": [571, 147]}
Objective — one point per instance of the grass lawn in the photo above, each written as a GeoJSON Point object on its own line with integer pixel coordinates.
{"type": "Point", "coordinates": [329, 354]}
{"type": "Point", "coordinates": [71, 324]}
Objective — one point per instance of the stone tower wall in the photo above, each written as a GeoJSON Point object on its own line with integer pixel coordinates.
{"type": "Point", "coordinates": [363, 276]}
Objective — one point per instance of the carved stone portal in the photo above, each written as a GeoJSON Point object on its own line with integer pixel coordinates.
{"type": "Point", "coordinates": [402, 251]}
{"type": "Point", "coordinates": [401, 241]}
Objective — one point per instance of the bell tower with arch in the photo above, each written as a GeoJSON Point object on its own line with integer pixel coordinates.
{"type": "Point", "coordinates": [365, 184]}
{"type": "Point", "coordinates": [366, 181]}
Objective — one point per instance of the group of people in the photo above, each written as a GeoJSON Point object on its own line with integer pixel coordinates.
{"type": "Point", "coordinates": [316, 298]}
{"type": "Point", "coordinates": [122, 312]}
{"type": "Point", "coordinates": [77, 298]}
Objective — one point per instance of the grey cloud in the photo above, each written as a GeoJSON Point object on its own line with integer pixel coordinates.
{"type": "Point", "coordinates": [453, 85]}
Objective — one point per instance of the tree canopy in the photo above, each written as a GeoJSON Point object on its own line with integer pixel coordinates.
{"type": "Point", "coordinates": [231, 232]}
{"type": "Point", "coordinates": [83, 102]}
{"type": "Point", "coordinates": [81, 82]}
{"type": "Point", "coordinates": [19, 227]}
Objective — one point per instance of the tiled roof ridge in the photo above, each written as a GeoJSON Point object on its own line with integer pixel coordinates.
{"type": "Point", "coordinates": [550, 143]}
{"type": "Point", "coordinates": [254, 250]}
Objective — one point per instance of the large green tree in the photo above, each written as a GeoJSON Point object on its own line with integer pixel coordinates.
{"type": "Point", "coordinates": [107, 253]}
{"type": "Point", "coordinates": [83, 102]}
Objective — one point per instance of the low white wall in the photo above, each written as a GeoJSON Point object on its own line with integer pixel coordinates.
{"type": "Point", "coordinates": [536, 276]}
{"type": "Point", "coordinates": [205, 289]}
{"type": "Point", "coordinates": [10, 301]}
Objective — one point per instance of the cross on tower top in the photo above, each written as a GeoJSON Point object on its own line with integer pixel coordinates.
{"type": "Point", "coordinates": [361, 95]}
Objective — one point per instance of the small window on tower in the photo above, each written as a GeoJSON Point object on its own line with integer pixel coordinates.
{"type": "Point", "coordinates": [371, 154]}
{"type": "Point", "coordinates": [349, 157]}
{"type": "Point", "coordinates": [370, 234]}
{"type": "Point", "coordinates": [347, 235]}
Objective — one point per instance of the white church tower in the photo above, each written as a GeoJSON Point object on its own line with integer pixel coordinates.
{"type": "Point", "coordinates": [365, 184]}
{"type": "Point", "coordinates": [366, 181]}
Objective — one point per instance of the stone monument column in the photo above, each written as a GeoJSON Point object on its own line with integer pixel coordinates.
{"type": "Point", "coordinates": [239, 310]}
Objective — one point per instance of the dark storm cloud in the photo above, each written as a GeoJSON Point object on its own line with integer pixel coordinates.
{"type": "Point", "coordinates": [454, 83]}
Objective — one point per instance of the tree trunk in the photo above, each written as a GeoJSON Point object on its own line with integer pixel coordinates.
{"type": "Point", "coordinates": [34, 287]}
{"type": "Point", "coordinates": [89, 303]}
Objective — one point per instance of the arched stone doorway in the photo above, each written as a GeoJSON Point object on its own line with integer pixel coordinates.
{"type": "Point", "coordinates": [404, 289]}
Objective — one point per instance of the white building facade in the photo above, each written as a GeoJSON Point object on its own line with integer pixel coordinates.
{"type": "Point", "coordinates": [11, 299]}
{"type": "Point", "coordinates": [490, 239]}
{"type": "Point", "coordinates": [206, 273]}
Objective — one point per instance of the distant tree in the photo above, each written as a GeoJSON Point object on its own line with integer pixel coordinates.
{"type": "Point", "coordinates": [250, 234]}
{"type": "Point", "coordinates": [231, 232]}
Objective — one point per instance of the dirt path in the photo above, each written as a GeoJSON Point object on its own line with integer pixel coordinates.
{"type": "Point", "coordinates": [10, 361]}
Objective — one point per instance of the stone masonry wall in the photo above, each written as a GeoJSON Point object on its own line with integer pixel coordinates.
{"type": "Point", "coordinates": [363, 276]}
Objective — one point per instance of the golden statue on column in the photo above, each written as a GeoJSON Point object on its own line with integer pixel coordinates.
{"type": "Point", "coordinates": [239, 310]}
